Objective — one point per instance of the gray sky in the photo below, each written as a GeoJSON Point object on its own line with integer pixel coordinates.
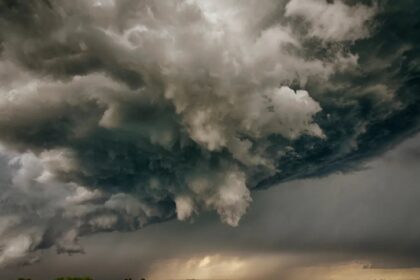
{"type": "Point", "coordinates": [369, 216]}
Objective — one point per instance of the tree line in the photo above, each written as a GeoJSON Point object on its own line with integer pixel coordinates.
{"type": "Point", "coordinates": [76, 278]}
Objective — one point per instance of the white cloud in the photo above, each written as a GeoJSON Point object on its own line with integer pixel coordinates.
{"type": "Point", "coordinates": [334, 21]}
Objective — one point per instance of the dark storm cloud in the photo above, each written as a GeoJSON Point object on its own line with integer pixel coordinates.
{"type": "Point", "coordinates": [117, 114]}
{"type": "Point", "coordinates": [370, 108]}
{"type": "Point", "coordinates": [369, 217]}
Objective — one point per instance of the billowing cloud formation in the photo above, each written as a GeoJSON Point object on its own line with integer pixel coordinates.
{"type": "Point", "coordinates": [118, 114]}
{"type": "Point", "coordinates": [333, 21]}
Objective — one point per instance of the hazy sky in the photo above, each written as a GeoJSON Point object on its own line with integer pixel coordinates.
{"type": "Point", "coordinates": [210, 139]}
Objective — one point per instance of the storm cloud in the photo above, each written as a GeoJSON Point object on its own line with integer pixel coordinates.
{"type": "Point", "coordinates": [118, 114]}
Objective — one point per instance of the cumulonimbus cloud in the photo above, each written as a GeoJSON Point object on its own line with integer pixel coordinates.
{"type": "Point", "coordinates": [118, 114]}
